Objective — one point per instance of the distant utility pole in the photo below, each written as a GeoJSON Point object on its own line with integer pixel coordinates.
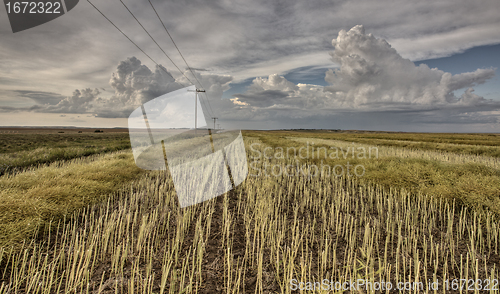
{"type": "Point", "coordinates": [215, 118]}
{"type": "Point", "coordinates": [196, 107]}
{"type": "Point", "coordinates": [218, 126]}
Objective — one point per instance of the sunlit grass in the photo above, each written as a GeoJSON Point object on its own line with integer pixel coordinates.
{"type": "Point", "coordinates": [134, 238]}
{"type": "Point", "coordinates": [469, 180]}
{"type": "Point", "coordinates": [36, 197]}
{"type": "Point", "coordinates": [256, 239]}
{"type": "Point", "coordinates": [19, 151]}
{"type": "Point", "coordinates": [466, 144]}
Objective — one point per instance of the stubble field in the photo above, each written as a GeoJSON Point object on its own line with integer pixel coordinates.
{"type": "Point", "coordinates": [424, 210]}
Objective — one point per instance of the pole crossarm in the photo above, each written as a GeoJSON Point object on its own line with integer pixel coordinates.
{"type": "Point", "coordinates": [196, 107]}
{"type": "Point", "coordinates": [215, 118]}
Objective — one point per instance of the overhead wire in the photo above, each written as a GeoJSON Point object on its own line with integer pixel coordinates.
{"type": "Point", "coordinates": [137, 20]}
{"type": "Point", "coordinates": [124, 34]}
{"type": "Point", "coordinates": [180, 53]}
{"type": "Point", "coordinates": [131, 13]}
{"type": "Point", "coordinates": [138, 47]}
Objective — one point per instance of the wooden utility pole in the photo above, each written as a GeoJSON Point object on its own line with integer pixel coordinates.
{"type": "Point", "coordinates": [196, 107]}
{"type": "Point", "coordinates": [215, 118]}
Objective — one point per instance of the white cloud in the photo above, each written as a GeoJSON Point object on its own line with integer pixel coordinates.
{"type": "Point", "coordinates": [468, 98]}
{"type": "Point", "coordinates": [373, 82]}
{"type": "Point", "coordinates": [80, 102]}
{"type": "Point", "coordinates": [443, 44]}
{"type": "Point", "coordinates": [371, 71]}
{"type": "Point", "coordinates": [133, 84]}
{"type": "Point", "coordinates": [241, 38]}
{"type": "Point", "coordinates": [372, 76]}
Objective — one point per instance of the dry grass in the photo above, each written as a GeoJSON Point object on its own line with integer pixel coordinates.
{"type": "Point", "coordinates": [466, 144]}
{"type": "Point", "coordinates": [19, 151]}
{"type": "Point", "coordinates": [38, 196]}
{"type": "Point", "coordinates": [255, 239]}
{"type": "Point", "coordinates": [469, 180]}
{"type": "Point", "coordinates": [400, 152]}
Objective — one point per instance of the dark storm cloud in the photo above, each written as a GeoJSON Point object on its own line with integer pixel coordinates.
{"type": "Point", "coordinates": [253, 39]}
{"type": "Point", "coordinates": [19, 109]}
{"type": "Point", "coordinates": [264, 98]}
{"type": "Point", "coordinates": [133, 84]}
{"type": "Point", "coordinates": [41, 97]}
{"type": "Point", "coordinates": [236, 35]}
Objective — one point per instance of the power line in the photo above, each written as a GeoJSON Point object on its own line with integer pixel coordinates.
{"type": "Point", "coordinates": [127, 36]}
{"type": "Point", "coordinates": [211, 111]}
{"type": "Point", "coordinates": [141, 48]}
{"type": "Point", "coordinates": [208, 100]}
{"type": "Point", "coordinates": [180, 71]}
{"type": "Point", "coordinates": [155, 42]}
{"type": "Point", "coordinates": [178, 50]}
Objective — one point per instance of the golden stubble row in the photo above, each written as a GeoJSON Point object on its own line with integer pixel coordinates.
{"type": "Point", "coordinates": [391, 151]}
{"type": "Point", "coordinates": [269, 231]}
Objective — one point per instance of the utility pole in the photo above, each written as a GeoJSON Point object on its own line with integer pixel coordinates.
{"type": "Point", "coordinates": [196, 107]}
{"type": "Point", "coordinates": [218, 126]}
{"type": "Point", "coordinates": [215, 118]}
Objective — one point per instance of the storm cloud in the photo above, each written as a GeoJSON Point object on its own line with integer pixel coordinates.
{"type": "Point", "coordinates": [371, 76]}
{"type": "Point", "coordinates": [133, 84]}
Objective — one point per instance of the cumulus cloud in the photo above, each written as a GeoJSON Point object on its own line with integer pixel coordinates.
{"type": "Point", "coordinates": [242, 38]}
{"type": "Point", "coordinates": [214, 85]}
{"type": "Point", "coordinates": [276, 92]}
{"type": "Point", "coordinates": [371, 71]}
{"type": "Point", "coordinates": [80, 102]}
{"type": "Point", "coordinates": [264, 98]}
{"type": "Point", "coordinates": [133, 84]}
{"type": "Point", "coordinates": [372, 76]}
{"type": "Point", "coordinates": [372, 83]}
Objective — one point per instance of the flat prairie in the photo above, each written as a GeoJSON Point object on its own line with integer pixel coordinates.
{"type": "Point", "coordinates": [316, 212]}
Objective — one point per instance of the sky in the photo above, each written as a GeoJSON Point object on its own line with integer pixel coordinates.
{"type": "Point", "coordinates": [428, 66]}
